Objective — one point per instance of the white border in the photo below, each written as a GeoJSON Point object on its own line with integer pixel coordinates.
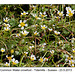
{"type": "Point", "coordinates": [37, 1]}
{"type": "Point", "coordinates": [37, 72]}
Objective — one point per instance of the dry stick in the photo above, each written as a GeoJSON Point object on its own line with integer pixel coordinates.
{"type": "Point", "coordinates": [63, 37]}
{"type": "Point", "coordinates": [64, 51]}
{"type": "Point", "coordinates": [49, 56]}
{"type": "Point", "coordinates": [15, 29]}
{"type": "Point", "coordinates": [68, 30]}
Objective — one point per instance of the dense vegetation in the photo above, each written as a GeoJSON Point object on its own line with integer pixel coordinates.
{"type": "Point", "coordinates": [37, 35]}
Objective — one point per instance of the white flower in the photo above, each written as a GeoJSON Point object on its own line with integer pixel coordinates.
{"type": "Point", "coordinates": [22, 24]}
{"type": "Point", "coordinates": [68, 9]}
{"type": "Point", "coordinates": [43, 14]}
{"type": "Point", "coordinates": [18, 34]}
{"type": "Point", "coordinates": [71, 62]}
{"type": "Point", "coordinates": [33, 57]}
{"type": "Point", "coordinates": [43, 27]}
{"type": "Point", "coordinates": [66, 56]}
{"type": "Point", "coordinates": [60, 13]}
{"type": "Point", "coordinates": [56, 32]}
{"type": "Point", "coordinates": [24, 13]}
{"type": "Point", "coordinates": [6, 19]}
{"type": "Point", "coordinates": [72, 65]}
{"type": "Point", "coordinates": [35, 15]}
{"type": "Point", "coordinates": [73, 50]}
{"type": "Point", "coordinates": [43, 49]}
{"type": "Point", "coordinates": [72, 40]}
{"type": "Point", "coordinates": [2, 50]}
{"type": "Point", "coordinates": [52, 51]}
{"type": "Point", "coordinates": [36, 33]}
{"type": "Point", "coordinates": [57, 17]}
{"type": "Point", "coordinates": [14, 62]}
{"type": "Point", "coordinates": [44, 44]}
{"type": "Point", "coordinates": [35, 25]}
{"type": "Point", "coordinates": [25, 53]}
{"type": "Point", "coordinates": [0, 22]}
{"type": "Point", "coordinates": [7, 25]}
{"type": "Point", "coordinates": [66, 59]}
{"type": "Point", "coordinates": [60, 42]}
{"type": "Point", "coordinates": [24, 32]}
{"type": "Point", "coordinates": [45, 59]}
{"type": "Point", "coordinates": [41, 60]}
{"type": "Point", "coordinates": [71, 56]}
{"type": "Point", "coordinates": [53, 25]}
{"type": "Point", "coordinates": [31, 47]}
{"type": "Point", "coordinates": [33, 6]}
{"type": "Point", "coordinates": [70, 12]}
{"type": "Point", "coordinates": [6, 28]}
{"type": "Point", "coordinates": [50, 29]}
{"type": "Point", "coordinates": [9, 57]}
{"type": "Point", "coordinates": [7, 64]}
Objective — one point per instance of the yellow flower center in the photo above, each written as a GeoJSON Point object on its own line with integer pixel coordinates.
{"type": "Point", "coordinates": [14, 63]}
{"type": "Point", "coordinates": [35, 33]}
{"type": "Point", "coordinates": [72, 66]}
{"type": "Point", "coordinates": [69, 11]}
{"type": "Point", "coordinates": [36, 17]}
{"type": "Point", "coordinates": [20, 15]}
{"type": "Point", "coordinates": [32, 58]}
{"type": "Point", "coordinates": [36, 25]}
{"type": "Point", "coordinates": [41, 60]}
{"type": "Point", "coordinates": [52, 52]}
{"type": "Point", "coordinates": [17, 34]}
{"type": "Point", "coordinates": [71, 62]}
{"type": "Point", "coordinates": [25, 34]}
{"type": "Point", "coordinates": [6, 29]}
{"type": "Point", "coordinates": [43, 15]}
{"type": "Point", "coordinates": [22, 24]}
{"type": "Point", "coordinates": [43, 28]}
{"type": "Point", "coordinates": [6, 25]}
{"type": "Point", "coordinates": [73, 51]}
{"type": "Point", "coordinates": [70, 14]}
{"type": "Point", "coordinates": [46, 58]}
{"type": "Point", "coordinates": [6, 64]}
{"type": "Point", "coordinates": [6, 20]}
{"type": "Point", "coordinates": [69, 58]}
{"type": "Point", "coordinates": [12, 51]}
{"type": "Point", "coordinates": [25, 54]}
{"type": "Point", "coordinates": [5, 8]}
{"type": "Point", "coordinates": [9, 58]}
{"type": "Point", "coordinates": [56, 33]}
{"type": "Point", "coordinates": [24, 13]}
{"type": "Point", "coordinates": [57, 17]}
{"type": "Point", "coordinates": [2, 50]}
{"type": "Point", "coordinates": [60, 14]}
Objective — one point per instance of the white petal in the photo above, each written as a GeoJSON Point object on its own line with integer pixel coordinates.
{"type": "Point", "coordinates": [22, 28]}
{"type": "Point", "coordinates": [24, 21]}
{"type": "Point", "coordinates": [19, 25]}
{"type": "Point", "coordinates": [20, 21]}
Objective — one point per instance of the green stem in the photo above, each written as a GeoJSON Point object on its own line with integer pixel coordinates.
{"type": "Point", "coordinates": [1, 57]}
{"type": "Point", "coordinates": [21, 60]}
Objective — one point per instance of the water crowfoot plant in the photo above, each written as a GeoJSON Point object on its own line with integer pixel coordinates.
{"type": "Point", "coordinates": [37, 35]}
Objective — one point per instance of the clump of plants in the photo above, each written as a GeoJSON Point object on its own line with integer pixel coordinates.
{"type": "Point", "coordinates": [37, 35]}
